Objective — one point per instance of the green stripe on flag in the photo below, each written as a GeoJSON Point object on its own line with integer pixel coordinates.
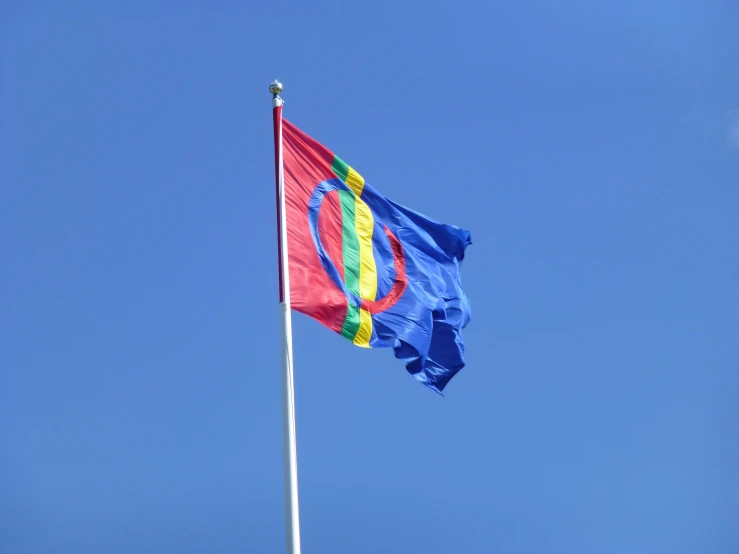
{"type": "Point", "coordinates": [351, 323]}
{"type": "Point", "coordinates": [350, 242]}
{"type": "Point", "coordinates": [340, 168]}
{"type": "Point", "coordinates": [350, 250]}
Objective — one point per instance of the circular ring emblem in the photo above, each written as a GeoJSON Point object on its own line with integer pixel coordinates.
{"type": "Point", "coordinates": [400, 282]}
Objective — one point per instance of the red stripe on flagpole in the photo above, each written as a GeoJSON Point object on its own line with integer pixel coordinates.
{"type": "Point", "coordinates": [277, 123]}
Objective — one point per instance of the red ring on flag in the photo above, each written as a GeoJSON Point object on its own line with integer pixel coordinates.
{"type": "Point", "coordinates": [401, 280]}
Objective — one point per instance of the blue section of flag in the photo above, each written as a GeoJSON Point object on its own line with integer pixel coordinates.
{"type": "Point", "coordinates": [424, 327]}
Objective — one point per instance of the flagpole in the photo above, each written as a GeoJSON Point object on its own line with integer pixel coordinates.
{"type": "Point", "coordinates": [289, 450]}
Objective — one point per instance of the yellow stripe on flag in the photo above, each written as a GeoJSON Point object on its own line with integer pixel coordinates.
{"type": "Point", "coordinates": [364, 334]}
{"type": "Point", "coordinates": [355, 182]}
{"type": "Point", "coordinates": [365, 223]}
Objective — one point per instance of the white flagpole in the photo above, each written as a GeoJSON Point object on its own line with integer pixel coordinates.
{"type": "Point", "coordinates": [292, 518]}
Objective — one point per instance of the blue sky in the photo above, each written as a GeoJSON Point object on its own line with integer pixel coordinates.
{"type": "Point", "coordinates": [592, 149]}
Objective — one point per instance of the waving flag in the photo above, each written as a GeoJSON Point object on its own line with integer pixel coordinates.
{"type": "Point", "coordinates": [375, 272]}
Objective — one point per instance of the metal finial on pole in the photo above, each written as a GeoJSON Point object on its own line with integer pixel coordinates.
{"type": "Point", "coordinates": [275, 88]}
{"type": "Point", "coordinates": [292, 516]}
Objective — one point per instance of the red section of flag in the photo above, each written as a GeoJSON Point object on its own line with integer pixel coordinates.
{"type": "Point", "coordinates": [330, 228]}
{"type": "Point", "coordinates": [312, 292]}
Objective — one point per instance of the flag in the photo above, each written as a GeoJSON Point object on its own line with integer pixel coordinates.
{"type": "Point", "coordinates": [372, 270]}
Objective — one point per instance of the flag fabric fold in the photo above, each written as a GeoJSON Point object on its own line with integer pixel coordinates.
{"type": "Point", "coordinates": [374, 271]}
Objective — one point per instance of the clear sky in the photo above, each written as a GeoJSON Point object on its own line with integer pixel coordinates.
{"type": "Point", "coordinates": [592, 149]}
